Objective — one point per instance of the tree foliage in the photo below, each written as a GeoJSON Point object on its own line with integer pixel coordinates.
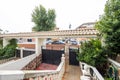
{"type": "Point", "coordinates": [1, 43]}
{"type": "Point", "coordinates": [109, 26]}
{"type": "Point", "coordinates": [9, 50]}
{"type": "Point", "coordinates": [44, 20]}
{"type": "Point", "coordinates": [91, 53]}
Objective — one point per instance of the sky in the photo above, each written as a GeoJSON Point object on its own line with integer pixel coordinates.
{"type": "Point", "coordinates": [15, 15]}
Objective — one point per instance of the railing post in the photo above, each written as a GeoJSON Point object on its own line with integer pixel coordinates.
{"type": "Point", "coordinates": [21, 52]}
{"type": "Point", "coordinates": [119, 73]}
{"type": "Point", "coordinates": [63, 58]}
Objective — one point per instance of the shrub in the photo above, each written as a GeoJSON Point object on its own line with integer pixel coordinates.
{"type": "Point", "coordinates": [9, 50]}
{"type": "Point", "coordinates": [93, 53]}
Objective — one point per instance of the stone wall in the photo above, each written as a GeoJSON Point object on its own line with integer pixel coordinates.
{"type": "Point", "coordinates": [34, 63]}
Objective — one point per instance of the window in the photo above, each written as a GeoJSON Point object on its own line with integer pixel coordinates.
{"type": "Point", "coordinates": [29, 40]}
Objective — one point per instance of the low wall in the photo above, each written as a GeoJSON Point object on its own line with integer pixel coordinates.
{"type": "Point", "coordinates": [18, 64]}
{"type": "Point", "coordinates": [34, 63]}
{"type": "Point", "coordinates": [35, 74]}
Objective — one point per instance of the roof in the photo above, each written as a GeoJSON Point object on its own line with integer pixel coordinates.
{"type": "Point", "coordinates": [85, 25]}
{"type": "Point", "coordinates": [50, 34]}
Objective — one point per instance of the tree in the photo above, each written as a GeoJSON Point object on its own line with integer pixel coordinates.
{"type": "Point", "coordinates": [109, 26]}
{"type": "Point", "coordinates": [44, 20]}
{"type": "Point", "coordinates": [92, 53]}
{"type": "Point", "coordinates": [9, 50]}
{"type": "Point", "coordinates": [1, 43]}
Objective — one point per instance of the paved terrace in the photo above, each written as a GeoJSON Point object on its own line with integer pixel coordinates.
{"type": "Point", "coordinates": [71, 72]}
{"type": "Point", "coordinates": [82, 32]}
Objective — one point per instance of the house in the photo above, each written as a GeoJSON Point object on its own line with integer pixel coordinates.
{"type": "Point", "coordinates": [88, 25]}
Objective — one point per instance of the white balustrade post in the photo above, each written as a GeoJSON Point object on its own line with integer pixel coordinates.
{"type": "Point", "coordinates": [63, 58]}
{"type": "Point", "coordinates": [21, 52]}
{"type": "Point", "coordinates": [119, 73]}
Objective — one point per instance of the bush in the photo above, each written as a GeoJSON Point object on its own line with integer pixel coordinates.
{"type": "Point", "coordinates": [1, 43]}
{"type": "Point", "coordinates": [9, 50]}
{"type": "Point", "coordinates": [93, 53]}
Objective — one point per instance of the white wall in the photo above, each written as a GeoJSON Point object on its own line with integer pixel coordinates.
{"type": "Point", "coordinates": [17, 64]}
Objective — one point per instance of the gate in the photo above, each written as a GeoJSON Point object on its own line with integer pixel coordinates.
{"type": "Point", "coordinates": [73, 56]}
{"type": "Point", "coordinates": [51, 56]}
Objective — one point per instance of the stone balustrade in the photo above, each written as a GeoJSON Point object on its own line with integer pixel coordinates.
{"type": "Point", "coordinates": [89, 72]}
{"type": "Point", "coordinates": [35, 74]}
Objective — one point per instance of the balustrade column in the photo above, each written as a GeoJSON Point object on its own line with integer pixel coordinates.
{"type": "Point", "coordinates": [21, 52]}
{"type": "Point", "coordinates": [63, 58]}
{"type": "Point", "coordinates": [119, 73]}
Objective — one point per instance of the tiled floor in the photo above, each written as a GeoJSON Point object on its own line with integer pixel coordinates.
{"type": "Point", "coordinates": [72, 72]}
{"type": "Point", "coordinates": [45, 66]}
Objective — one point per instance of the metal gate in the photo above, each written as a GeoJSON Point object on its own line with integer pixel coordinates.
{"type": "Point", "coordinates": [73, 57]}
{"type": "Point", "coordinates": [51, 56]}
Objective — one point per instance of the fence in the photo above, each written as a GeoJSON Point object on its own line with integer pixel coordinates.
{"type": "Point", "coordinates": [21, 52]}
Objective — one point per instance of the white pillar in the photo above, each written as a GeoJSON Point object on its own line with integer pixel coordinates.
{"type": "Point", "coordinates": [5, 41]}
{"type": "Point", "coordinates": [38, 44]}
{"type": "Point", "coordinates": [21, 52]}
{"type": "Point", "coordinates": [63, 58]}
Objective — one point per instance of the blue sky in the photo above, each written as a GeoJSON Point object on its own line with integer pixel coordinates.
{"type": "Point", "coordinates": [15, 15]}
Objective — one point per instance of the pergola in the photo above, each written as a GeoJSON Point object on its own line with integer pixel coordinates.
{"type": "Point", "coordinates": [42, 35]}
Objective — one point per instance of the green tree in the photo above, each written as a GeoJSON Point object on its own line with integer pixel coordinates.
{"type": "Point", "coordinates": [1, 43]}
{"type": "Point", "coordinates": [92, 53]}
{"type": "Point", "coordinates": [8, 50]}
{"type": "Point", "coordinates": [44, 20]}
{"type": "Point", "coordinates": [109, 26]}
